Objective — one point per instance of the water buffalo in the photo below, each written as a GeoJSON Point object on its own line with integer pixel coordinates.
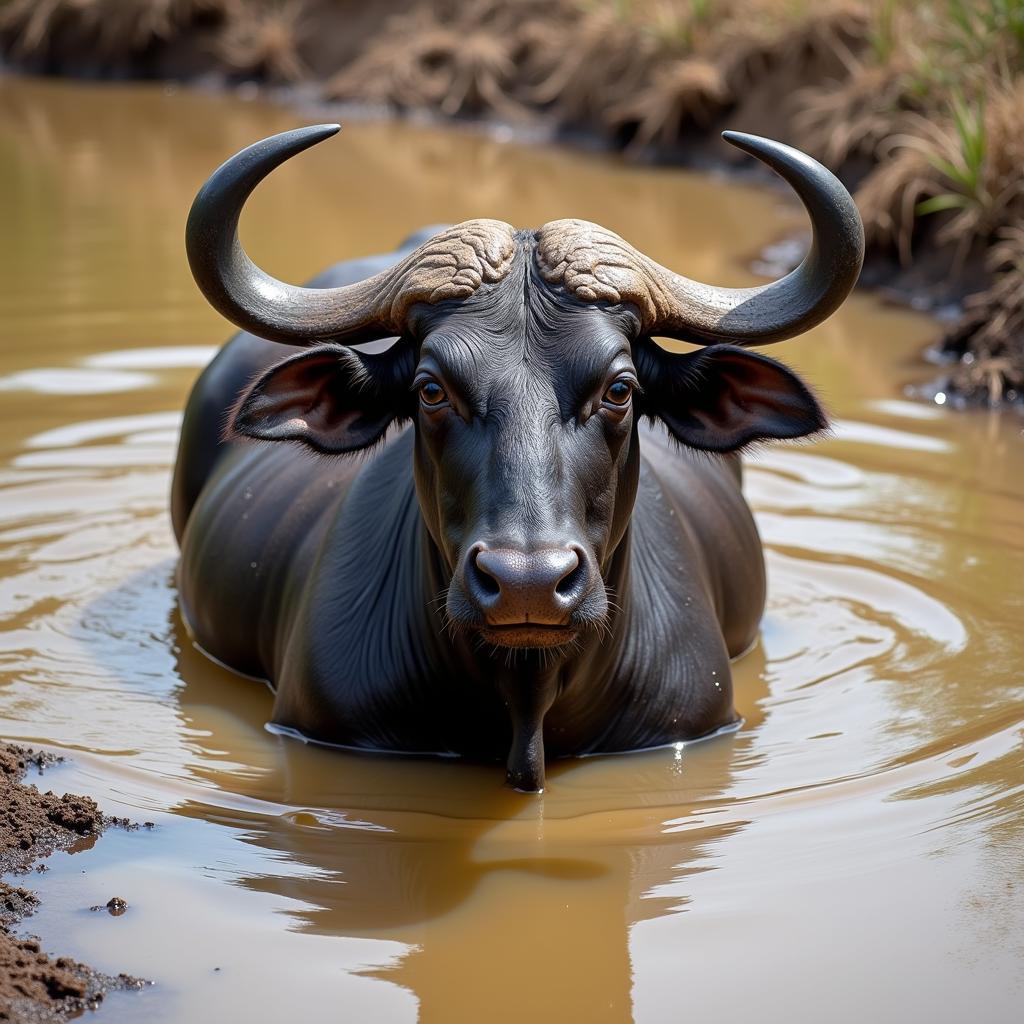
{"type": "Point", "coordinates": [542, 544]}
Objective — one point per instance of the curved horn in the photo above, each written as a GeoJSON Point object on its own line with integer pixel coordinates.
{"type": "Point", "coordinates": [451, 265]}
{"type": "Point", "coordinates": [596, 265]}
{"type": "Point", "coordinates": [803, 298]}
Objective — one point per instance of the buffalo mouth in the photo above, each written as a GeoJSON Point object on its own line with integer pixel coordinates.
{"type": "Point", "coordinates": [528, 634]}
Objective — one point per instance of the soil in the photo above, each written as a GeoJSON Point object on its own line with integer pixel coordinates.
{"type": "Point", "coordinates": [34, 986]}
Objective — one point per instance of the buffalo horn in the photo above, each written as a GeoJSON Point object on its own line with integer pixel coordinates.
{"type": "Point", "coordinates": [450, 265]}
{"type": "Point", "coordinates": [707, 315]}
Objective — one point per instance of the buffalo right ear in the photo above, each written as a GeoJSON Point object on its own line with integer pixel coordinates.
{"type": "Point", "coordinates": [331, 398]}
{"type": "Point", "coordinates": [723, 398]}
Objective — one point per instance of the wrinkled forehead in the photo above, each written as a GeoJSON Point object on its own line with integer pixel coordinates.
{"type": "Point", "coordinates": [533, 335]}
{"type": "Point", "coordinates": [527, 320]}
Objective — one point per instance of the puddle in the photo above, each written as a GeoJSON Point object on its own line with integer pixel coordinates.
{"type": "Point", "coordinates": [853, 852]}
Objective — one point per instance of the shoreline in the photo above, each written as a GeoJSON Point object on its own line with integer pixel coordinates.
{"type": "Point", "coordinates": [657, 84]}
{"type": "Point", "coordinates": [36, 986]}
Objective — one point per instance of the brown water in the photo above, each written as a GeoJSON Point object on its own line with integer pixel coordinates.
{"type": "Point", "coordinates": [854, 852]}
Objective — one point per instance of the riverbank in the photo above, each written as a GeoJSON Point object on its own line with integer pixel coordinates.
{"type": "Point", "coordinates": [914, 107]}
{"type": "Point", "coordinates": [35, 986]}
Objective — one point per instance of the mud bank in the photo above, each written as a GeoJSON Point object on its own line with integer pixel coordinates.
{"type": "Point", "coordinates": [35, 986]}
{"type": "Point", "coordinates": [915, 108]}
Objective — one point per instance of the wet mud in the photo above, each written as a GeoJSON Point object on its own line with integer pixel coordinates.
{"type": "Point", "coordinates": [36, 986]}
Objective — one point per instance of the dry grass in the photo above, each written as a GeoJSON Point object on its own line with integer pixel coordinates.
{"type": "Point", "coordinates": [966, 167]}
{"type": "Point", "coordinates": [926, 95]}
{"type": "Point", "coordinates": [457, 58]}
{"type": "Point", "coordinates": [684, 92]}
{"type": "Point", "coordinates": [565, 64]}
{"type": "Point", "coordinates": [988, 337]}
{"type": "Point", "coordinates": [853, 116]}
{"type": "Point", "coordinates": [398, 68]}
{"type": "Point", "coordinates": [266, 43]}
{"type": "Point", "coordinates": [109, 27]}
{"type": "Point", "coordinates": [825, 31]}
{"type": "Point", "coordinates": [657, 66]}
{"type": "Point", "coordinates": [889, 197]}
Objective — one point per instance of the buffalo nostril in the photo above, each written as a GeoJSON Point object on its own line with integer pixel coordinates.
{"type": "Point", "coordinates": [485, 581]}
{"type": "Point", "coordinates": [573, 574]}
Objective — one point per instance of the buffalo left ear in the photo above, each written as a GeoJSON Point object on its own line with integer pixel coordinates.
{"type": "Point", "coordinates": [722, 398]}
{"type": "Point", "coordinates": [331, 398]}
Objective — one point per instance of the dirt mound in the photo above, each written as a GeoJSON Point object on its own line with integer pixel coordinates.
{"type": "Point", "coordinates": [33, 985]}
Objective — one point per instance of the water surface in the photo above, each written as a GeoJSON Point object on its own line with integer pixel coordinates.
{"type": "Point", "coordinates": [853, 853]}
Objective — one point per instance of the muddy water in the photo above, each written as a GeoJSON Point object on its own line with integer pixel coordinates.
{"type": "Point", "coordinates": [854, 852]}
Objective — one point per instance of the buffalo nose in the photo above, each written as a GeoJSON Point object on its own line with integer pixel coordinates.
{"type": "Point", "coordinates": [512, 586]}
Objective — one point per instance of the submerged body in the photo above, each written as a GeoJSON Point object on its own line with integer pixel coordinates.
{"type": "Point", "coordinates": [320, 575]}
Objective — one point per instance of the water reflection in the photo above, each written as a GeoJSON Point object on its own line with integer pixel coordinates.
{"type": "Point", "coordinates": [477, 882]}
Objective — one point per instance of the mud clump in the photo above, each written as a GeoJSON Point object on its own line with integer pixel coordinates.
{"type": "Point", "coordinates": [34, 824]}
{"type": "Point", "coordinates": [33, 985]}
{"type": "Point", "coordinates": [115, 906]}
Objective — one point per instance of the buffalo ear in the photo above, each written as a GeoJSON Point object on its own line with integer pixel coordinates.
{"type": "Point", "coordinates": [722, 398]}
{"type": "Point", "coordinates": [331, 398]}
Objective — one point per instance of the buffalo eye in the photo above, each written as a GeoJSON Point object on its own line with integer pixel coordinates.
{"type": "Point", "coordinates": [619, 393]}
{"type": "Point", "coordinates": [432, 394]}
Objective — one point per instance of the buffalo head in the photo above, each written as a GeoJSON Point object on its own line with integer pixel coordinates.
{"type": "Point", "coordinates": [525, 361]}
